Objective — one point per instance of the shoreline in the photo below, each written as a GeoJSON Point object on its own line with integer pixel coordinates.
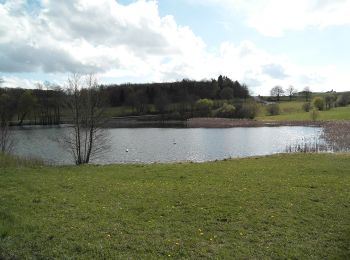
{"type": "Point", "coordinates": [228, 123]}
{"type": "Point", "coordinates": [202, 122]}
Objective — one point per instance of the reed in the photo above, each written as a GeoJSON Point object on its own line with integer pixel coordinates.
{"type": "Point", "coordinates": [335, 137]}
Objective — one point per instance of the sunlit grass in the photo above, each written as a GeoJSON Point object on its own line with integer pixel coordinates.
{"type": "Point", "coordinates": [118, 111]}
{"type": "Point", "coordinates": [293, 111]}
{"type": "Point", "coordinates": [294, 206]}
{"type": "Point", "coordinates": [7, 160]}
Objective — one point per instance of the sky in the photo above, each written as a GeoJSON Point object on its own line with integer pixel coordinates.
{"type": "Point", "coordinates": [262, 43]}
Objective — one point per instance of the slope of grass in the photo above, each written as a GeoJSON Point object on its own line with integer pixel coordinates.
{"type": "Point", "coordinates": [293, 111]}
{"type": "Point", "coordinates": [283, 207]}
{"type": "Point", "coordinates": [13, 161]}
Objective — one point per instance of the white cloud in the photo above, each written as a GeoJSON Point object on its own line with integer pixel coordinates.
{"type": "Point", "coordinates": [275, 17]}
{"type": "Point", "coordinates": [15, 82]}
{"type": "Point", "coordinates": [85, 36]}
{"type": "Point", "coordinates": [134, 41]}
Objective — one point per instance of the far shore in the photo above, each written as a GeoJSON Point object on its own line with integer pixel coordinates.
{"type": "Point", "coordinates": [228, 122]}
{"type": "Point", "coordinates": [202, 122]}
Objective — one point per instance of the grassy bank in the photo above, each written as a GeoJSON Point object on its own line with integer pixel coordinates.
{"type": "Point", "coordinates": [289, 111]}
{"type": "Point", "coordinates": [293, 206]}
{"type": "Point", "coordinates": [293, 111]}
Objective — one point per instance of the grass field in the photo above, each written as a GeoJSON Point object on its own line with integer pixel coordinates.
{"type": "Point", "coordinates": [124, 111]}
{"type": "Point", "coordinates": [118, 111]}
{"type": "Point", "coordinates": [294, 206]}
{"type": "Point", "coordinates": [290, 110]}
{"type": "Point", "coordinates": [293, 111]}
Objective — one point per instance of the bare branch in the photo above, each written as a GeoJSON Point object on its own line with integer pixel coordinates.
{"type": "Point", "coordinates": [86, 139]}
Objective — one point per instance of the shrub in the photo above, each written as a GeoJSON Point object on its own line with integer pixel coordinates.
{"type": "Point", "coordinates": [318, 103]}
{"type": "Point", "coordinates": [314, 114]}
{"type": "Point", "coordinates": [249, 110]}
{"type": "Point", "coordinates": [329, 100]}
{"type": "Point", "coordinates": [273, 109]}
{"type": "Point", "coordinates": [227, 110]}
{"type": "Point", "coordinates": [204, 106]}
{"type": "Point", "coordinates": [306, 106]}
{"type": "Point", "coordinates": [343, 100]}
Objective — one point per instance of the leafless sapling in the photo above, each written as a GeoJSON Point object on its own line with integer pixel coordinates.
{"type": "Point", "coordinates": [86, 139]}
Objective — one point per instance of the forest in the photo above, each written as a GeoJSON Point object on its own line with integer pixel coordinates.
{"type": "Point", "coordinates": [47, 104]}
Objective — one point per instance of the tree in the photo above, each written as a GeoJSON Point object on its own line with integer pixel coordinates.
{"type": "Point", "coordinates": [243, 91]}
{"type": "Point", "coordinates": [291, 92]}
{"type": "Point", "coordinates": [204, 106]}
{"type": "Point", "coordinates": [307, 93]}
{"type": "Point", "coordinates": [6, 113]}
{"type": "Point", "coordinates": [2, 81]}
{"type": "Point", "coordinates": [26, 104]}
{"type": "Point", "coordinates": [330, 100]}
{"type": "Point", "coordinates": [141, 102]}
{"type": "Point", "coordinates": [318, 103]}
{"type": "Point", "coordinates": [277, 91]}
{"type": "Point", "coordinates": [226, 93]}
{"type": "Point", "coordinates": [214, 89]}
{"type": "Point", "coordinates": [343, 100]}
{"type": "Point", "coordinates": [86, 139]}
{"type": "Point", "coordinates": [227, 110]}
{"type": "Point", "coordinates": [46, 103]}
{"type": "Point", "coordinates": [161, 102]}
{"type": "Point", "coordinates": [220, 82]}
{"type": "Point", "coordinates": [249, 110]}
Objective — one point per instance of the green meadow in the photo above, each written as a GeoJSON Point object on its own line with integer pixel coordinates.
{"type": "Point", "coordinates": [290, 206]}
{"type": "Point", "coordinates": [293, 111]}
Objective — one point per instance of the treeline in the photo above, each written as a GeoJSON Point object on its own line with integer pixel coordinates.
{"type": "Point", "coordinates": [185, 92]}
{"type": "Point", "coordinates": [41, 106]}
{"type": "Point", "coordinates": [47, 104]}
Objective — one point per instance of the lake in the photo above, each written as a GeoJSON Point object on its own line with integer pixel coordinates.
{"type": "Point", "coordinates": [169, 144]}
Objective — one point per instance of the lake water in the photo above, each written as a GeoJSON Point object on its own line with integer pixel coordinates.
{"type": "Point", "coordinates": [169, 144]}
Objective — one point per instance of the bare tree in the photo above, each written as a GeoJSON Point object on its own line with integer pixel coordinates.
{"type": "Point", "coordinates": [291, 92]}
{"type": "Point", "coordinates": [277, 91]}
{"type": "Point", "coordinates": [26, 104]}
{"type": "Point", "coordinates": [86, 139]}
{"type": "Point", "coordinates": [6, 114]}
{"type": "Point", "coordinates": [6, 138]}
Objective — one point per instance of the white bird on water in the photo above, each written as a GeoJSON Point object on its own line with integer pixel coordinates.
{"type": "Point", "coordinates": [127, 150]}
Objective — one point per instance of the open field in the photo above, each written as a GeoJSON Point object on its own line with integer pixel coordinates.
{"type": "Point", "coordinates": [293, 111]}
{"type": "Point", "coordinates": [290, 111]}
{"type": "Point", "coordinates": [293, 206]}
